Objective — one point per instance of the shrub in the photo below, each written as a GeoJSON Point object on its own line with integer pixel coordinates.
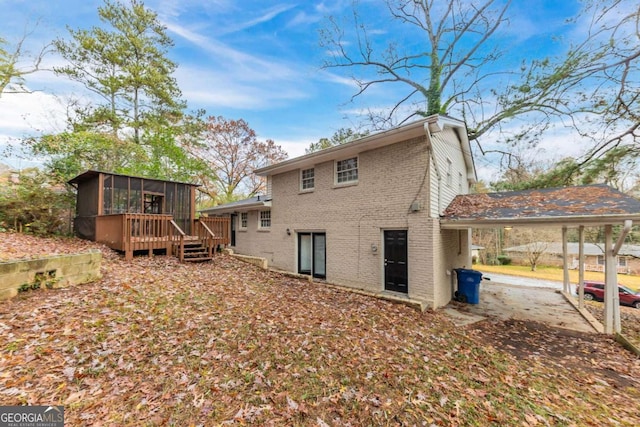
{"type": "Point", "coordinates": [35, 206]}
{"type": "Point", "coordinates": [503, 260]}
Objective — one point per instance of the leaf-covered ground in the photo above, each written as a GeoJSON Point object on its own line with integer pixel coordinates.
{"type": "Point", "coordinates": [156, 342]}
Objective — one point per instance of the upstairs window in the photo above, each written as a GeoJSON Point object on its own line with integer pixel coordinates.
{"type": "Point", "coordinates": [307, 179]}
{"type": "Point", "coordinates": [347, 170]}
{"type": "Point", "coordinates": [449, 173]}
{"type": "Point", "coordinates": [265, 219]}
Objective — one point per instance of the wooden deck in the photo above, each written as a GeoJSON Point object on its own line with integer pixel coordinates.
{"type": "Point", "coordinates": [131, 232]}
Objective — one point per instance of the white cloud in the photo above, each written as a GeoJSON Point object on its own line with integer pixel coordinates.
{"type": "Point", "coordinates": [29, 113]}
{"type": "Point", "coordinates": [241, 64]}
{"type": "Point", "coordinates": [265, 17]}
{"type": "Point", "coordinates": [335, 78]}
{"type": "Point", "coordinates": [302, 18]}
{"type": "Point", "coordinates": [222, 89]}
{"type": "Point", "coordinates": [294, 148]}
{"type": "Point", "coordinates": [23, 115]}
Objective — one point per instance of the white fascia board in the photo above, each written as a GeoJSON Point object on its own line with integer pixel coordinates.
{"type": "Point", "coordinates": [350, 149]}
{"type": "Point", "coordinates": [237, 208]}
{"type": "Point", "coordinates": [568, 221]}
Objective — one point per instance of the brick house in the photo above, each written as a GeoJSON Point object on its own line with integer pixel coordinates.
{"type": "Point", "coordinates": [365, 214]}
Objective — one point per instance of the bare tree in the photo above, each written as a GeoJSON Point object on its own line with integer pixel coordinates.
{"type": "Point", "coordinates": [233, 151]}
{"type": "Point", "coordinates": [535, 250]}
{"type": "Point", "coordinates": [445, 58]}
{"type": "Point", "coordinates": [16, 63]}
{"type": "Point", "coordinates": [535, 241]}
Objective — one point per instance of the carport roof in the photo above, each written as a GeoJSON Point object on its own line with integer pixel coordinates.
{"type": "Point", "coordinates": [588, 205]}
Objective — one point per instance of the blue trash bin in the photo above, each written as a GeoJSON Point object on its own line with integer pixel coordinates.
{"type": "Point", "coordinates": [468, 285]}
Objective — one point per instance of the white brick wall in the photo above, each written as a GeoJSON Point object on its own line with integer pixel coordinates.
{"type": "Point", "coordinates": [354, 217]}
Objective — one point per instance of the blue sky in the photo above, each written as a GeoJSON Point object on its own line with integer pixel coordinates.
{"type": "Point", "coordinates": [255, 60]}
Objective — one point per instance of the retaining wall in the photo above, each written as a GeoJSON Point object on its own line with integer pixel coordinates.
{"type": "Point", "coordinates": [55, 271]}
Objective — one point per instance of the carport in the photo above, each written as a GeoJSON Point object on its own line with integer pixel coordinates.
{"type": "Point", "coordinates": [566, 207]}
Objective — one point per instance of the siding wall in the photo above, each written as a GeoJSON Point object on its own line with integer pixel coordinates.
{"type": "Point", "coordinates": [354, 217]}
{"type": "Point", "coordinates": [447, 147]}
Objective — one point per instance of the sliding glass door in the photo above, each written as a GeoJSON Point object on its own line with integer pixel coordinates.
{"type": "Point", "coordinates": [312, 254]}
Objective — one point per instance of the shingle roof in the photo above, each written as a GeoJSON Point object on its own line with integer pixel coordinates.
{"type": "Point", "coordinates": [592, 202]}
{"type": "Point", "coordinates": [92, 173]}
{"type": "Point", "coordinates": [240, 205]}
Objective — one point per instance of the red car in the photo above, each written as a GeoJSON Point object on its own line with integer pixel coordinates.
{"type": "Point", "coordinates": [595, 291]}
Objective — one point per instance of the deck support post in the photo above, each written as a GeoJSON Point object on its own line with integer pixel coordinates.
{"type": "Point", "coordinates": [611, 297]}
{"type": "Point", "coordinates": [565, 262]}
{"type": "Point", "coordinates": [581, 267]}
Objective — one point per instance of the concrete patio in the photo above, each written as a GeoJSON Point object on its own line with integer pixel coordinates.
{"type": "Point", "coordinates": [522, 299]}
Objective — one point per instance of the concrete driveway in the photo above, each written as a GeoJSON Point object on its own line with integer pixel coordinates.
{"type": "Point", "coordinates": [511, 297]}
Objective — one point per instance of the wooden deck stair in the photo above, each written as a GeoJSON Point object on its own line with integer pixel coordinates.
{"type": "Point", "coordinates": [195, 251]}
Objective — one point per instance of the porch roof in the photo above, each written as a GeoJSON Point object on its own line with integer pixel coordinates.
{"type": "Point", "coordinates": [91, 173]}
{"type": "Point", "coordinates": [588, 205]}
{"type": "Point", "coordinates": [244, 205]}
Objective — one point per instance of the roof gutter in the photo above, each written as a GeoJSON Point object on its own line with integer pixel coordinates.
{"type": "Point", "coordinates": [587, 220]}
{"type": "Point", "coordinates": [236, 208]}
{"type": "Point", "coordinates": [371, 142]}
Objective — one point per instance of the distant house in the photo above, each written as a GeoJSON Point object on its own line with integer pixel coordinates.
{"type": "Point", "coordinates": [627, 261]}
{"type": "Point", "coordinates": [366, 214]}
{"type": "Point", "coordinates": [475, 252]}
{"type": "Point", "coordinates": [129, 213]}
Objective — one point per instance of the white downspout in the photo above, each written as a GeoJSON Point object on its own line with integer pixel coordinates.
{"type": "Point", "coordinates": [581, 267]}
{"type": "Point", "coordinates": [435, 167]}
{"type": "Point", "coordinates": [565, 262]}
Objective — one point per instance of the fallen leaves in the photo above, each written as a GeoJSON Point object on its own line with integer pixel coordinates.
{"type": "Point", "coordinates": [549, 202]}
{"type": "Point", "coordinates": [156, 342]}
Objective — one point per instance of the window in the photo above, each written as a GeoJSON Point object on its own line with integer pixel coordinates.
{"type": "Point", "coordinates": [449, 172]}
{"type": "Point", "coordinates": [244, 218]}
{"type": "Point", "coordinates": [307, 179]}
{"type": "Point", "coordinates": [265, 219]}
{"type": "Point", "coordinates": [347, 170]}
{"type": "Point", "coordinates": [620, 260]}
{"type": "Point", "coordinates": [460, 183]}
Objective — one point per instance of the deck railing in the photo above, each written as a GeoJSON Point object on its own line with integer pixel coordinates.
{"type": "Point", "coordinates": [206, 236]}
{"type": "Point", "coordinates": [621, 269]}
{"type": "Point", "coordinates": [176, 235]}
{"type": "Point", "coordinates": [130, 232]}
{"type": "Point", "coordinates": [220, 227]}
